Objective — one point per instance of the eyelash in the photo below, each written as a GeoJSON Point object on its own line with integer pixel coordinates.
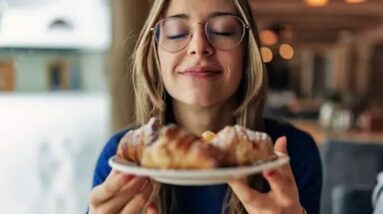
{"type": "Point", "coordinates": [177, 36]}
{"type": "Point", "coordinates": [223, 33]}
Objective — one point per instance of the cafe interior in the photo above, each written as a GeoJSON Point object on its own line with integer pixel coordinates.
{"type": "Point", "coordinates": [64, 91]}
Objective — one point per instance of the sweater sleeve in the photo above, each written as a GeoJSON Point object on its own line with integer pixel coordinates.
{"type": "Point", "coordinates": [102, 168]}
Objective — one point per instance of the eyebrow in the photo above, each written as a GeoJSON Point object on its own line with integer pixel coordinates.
{"type": "Point", "coordinates": [214, 14]}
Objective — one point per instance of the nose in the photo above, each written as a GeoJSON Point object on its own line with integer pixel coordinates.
{"type": "Point", "coordinates": [199, 44]}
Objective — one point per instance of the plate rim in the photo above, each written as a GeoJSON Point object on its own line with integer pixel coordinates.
{"type": "Point", "coordinates": [189, 174]}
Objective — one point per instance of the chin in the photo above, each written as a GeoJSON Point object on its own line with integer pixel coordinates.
{"type": "Point", "coordinates": [206, 102]}
{"type": "Point", "coordinates": [199, 99]}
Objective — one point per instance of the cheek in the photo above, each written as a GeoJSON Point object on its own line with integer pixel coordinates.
{"type": "Point", "coordinates": [233, 64]}
{"type": "Point", "coordinates": [172, 83]}
{"type": "Point", "coordinates": [167, 66]}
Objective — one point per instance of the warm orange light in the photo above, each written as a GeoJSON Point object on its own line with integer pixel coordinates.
{"type": "Point", "coordinates": [268, 37]}
{"type": "Point", "coordinates": [267, 54]}
{"type": "Point", "coordinates": [316, 3]}
{"type": "Point", "coordinates": [354, 1]}
{"type": "Point", "coordinates": [286, 51]}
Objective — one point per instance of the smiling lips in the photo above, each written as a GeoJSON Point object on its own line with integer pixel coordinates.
{"type": "Point", "coordinates": [200, 72]}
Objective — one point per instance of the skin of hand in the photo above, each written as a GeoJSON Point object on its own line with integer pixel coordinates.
{"type": "Point", "coordinates": [121, 193]}
{"type": "Point", "coordinates": [283, 198]}
{"type": "Point", "coordinates": [152, 209]}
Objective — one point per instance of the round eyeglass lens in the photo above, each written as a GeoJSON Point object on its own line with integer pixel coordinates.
{"type": "Point", "coordinates": [225, 32]}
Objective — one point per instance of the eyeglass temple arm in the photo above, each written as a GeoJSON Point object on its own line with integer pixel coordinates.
{"type": "Point", "coordinates": [247, 23]}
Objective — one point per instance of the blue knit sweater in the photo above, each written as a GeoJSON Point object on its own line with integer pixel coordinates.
{"type": "Point", "coordinates": [304, 159]}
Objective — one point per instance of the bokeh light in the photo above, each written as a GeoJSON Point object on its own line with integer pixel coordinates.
{"type": "Point", "coordinates": [286, 51]}
{"type": "Point", "coordinates": [267, 54]}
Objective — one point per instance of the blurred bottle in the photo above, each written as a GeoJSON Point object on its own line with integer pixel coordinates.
{"type": "Point", "coordinates": [371, 120]}
{"type": "Point", "coordinates": [334, 117]}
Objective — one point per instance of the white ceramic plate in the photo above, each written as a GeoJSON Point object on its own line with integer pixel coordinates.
{"type": "Point", "coordinates": [196, 177]}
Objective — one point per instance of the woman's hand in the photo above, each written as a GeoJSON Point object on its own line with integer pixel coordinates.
{"type": "Point", "coordinates": [121, 193]}
{"type": "Point", "coordinates": [283, 197]}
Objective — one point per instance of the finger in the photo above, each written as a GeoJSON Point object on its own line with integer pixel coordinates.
{"type": "Point", "coordinates": [112, 185]}
{"type": "Point", "coordinates": [281, 145]}
{"type": "Point", "coordinates": [152, 209]}
{"type": "Point", "coordinates": [139, 201]}
{"type": "Point", "coordinates": [115, 204]}
{"type": "Point", "coordinates": [282, 178]}
{"type": "Point", "coordinates": [245, 193]}
{"type": "Point", "coordinates": [280, 184]}
{"type": "Point", "coordinates": [284, 188]}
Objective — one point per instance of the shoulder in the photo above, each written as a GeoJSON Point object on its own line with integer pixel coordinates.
{"type": "Point", "coordinates": [110, 147]}
{"type": "Point", "coordinates": [303, 151]}
{"type": "Point", "coordinates": [300, 145]}
{"type": "Point", "coordinates": [297, 140]}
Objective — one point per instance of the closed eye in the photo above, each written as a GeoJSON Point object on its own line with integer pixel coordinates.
{"type": "Point", "coordinates": [179, 36]}
{"type": "Point", "coordinates": [223, 33]}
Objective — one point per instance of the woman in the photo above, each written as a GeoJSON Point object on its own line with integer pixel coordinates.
{"type": "Point", "coordinates": [197, 64]}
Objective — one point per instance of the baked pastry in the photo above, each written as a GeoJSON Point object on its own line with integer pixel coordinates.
{"type": "Point", "coordinates": [171, 147]}
{"type": "Point", "coordinates": [176, 148]}
{"type": "Point", "coordinates": [242, 146]}
{"type": "Point", "coordinates": [132, 144]}
{"type": "Point", "coordinates": [168, 147]}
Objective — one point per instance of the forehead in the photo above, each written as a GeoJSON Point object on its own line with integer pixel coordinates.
{"type": "Point", "coordinates": [199, 9]}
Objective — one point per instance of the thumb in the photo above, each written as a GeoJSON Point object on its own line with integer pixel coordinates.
{"type": "Point", "coordinates": [152, 209]}
{"type": "Point", "coordinates": [281, 145]}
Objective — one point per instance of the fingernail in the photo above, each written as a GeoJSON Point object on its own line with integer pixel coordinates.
{"type": "Point", "coordinates": [128, 176]}
{"type": "Point", "coordinates": [270, 173]}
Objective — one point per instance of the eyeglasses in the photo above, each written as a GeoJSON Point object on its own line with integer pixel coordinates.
{"type": "Point", "coordinates": [223, 32]}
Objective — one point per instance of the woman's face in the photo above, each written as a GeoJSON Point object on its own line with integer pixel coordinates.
{"type": "Point", "coordinates": [200, 74]}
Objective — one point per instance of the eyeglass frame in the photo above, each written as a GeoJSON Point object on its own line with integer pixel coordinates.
{"type": "Point", "coordinates": [243, 22]}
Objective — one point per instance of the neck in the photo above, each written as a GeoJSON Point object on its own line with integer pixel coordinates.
{"type": "Point", "coordinates": [200, 119]}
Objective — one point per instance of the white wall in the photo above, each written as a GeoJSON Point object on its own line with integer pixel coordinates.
{"type": "Point", "coordinates": [29, 26]}
{"type": "Point", "coordinates": [48, 147]}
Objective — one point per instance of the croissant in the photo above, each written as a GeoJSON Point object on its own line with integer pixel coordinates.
{"type": "Point", "coordinates": [242, 146]}
{"type": "Point", "coordinates": [178, 149]}
{"type": "Point", "coordinates": [171, 147]}
{"type": "Point", "coordinates": [133, 143]}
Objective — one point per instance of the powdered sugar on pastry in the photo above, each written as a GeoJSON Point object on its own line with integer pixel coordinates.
{"type": "Point", "coordinates": [132, 144]}
{"type": "Point", "coordinates": [243, 146]}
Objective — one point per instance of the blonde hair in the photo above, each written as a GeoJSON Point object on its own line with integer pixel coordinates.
{"type": "Point", "coordinates": [150, 94]}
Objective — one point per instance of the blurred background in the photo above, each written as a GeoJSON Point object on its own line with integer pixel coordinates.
{"type": "Point", "coordinates": [64, 90]}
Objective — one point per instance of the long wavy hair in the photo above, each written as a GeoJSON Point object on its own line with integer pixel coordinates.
{"type": "Point", "coordinates": [152, 100]}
